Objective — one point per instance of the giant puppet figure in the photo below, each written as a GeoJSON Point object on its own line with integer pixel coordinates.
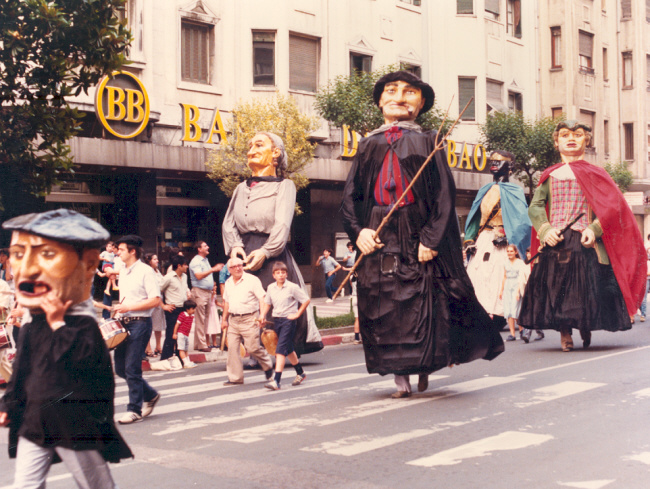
{"type": "Point", "coordinates": [59, 402]}
{"type": "Point", "coordinates": [417, 309]}
{"type": "Point", "coordinates": [257, 224]}
{"type": "Point", "coordinates": [593, 276]}
{"type": "Point", "coordinates": [498, 217]}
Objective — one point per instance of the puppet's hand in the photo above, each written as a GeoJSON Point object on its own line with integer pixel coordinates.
{"type": "Point", "coordinates": [426, 254]}
{"type": "Point", "coordinates": [255, 260]}
{"type": "Point", "coordinates": [366, 243]}
{"type": "Point", "coordinates": [54, 308]}
{"type": "Point", "coordinates": [553, 237]}
{"type": "Point", "coordinates": [588, 238]}
{"type": "Point", "coordinates": [238, 252]}
{"type": "Point", "coordinates": [4, 419]}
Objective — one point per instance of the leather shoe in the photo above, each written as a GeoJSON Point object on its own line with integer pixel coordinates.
{"type": "Point", "coordinates": [586, 338]}
{"type": "Point", "coordinates": [400, 394]}
{"type": "Point", "coordinates": [228, 382]}
{"type": "Point", "coordinates": [423, 382]}
{"type": "Point", "coordinates": [205, 350]}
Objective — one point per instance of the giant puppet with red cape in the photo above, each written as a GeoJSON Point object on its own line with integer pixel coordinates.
{"type": "Point", "coordinates": [592, 278]}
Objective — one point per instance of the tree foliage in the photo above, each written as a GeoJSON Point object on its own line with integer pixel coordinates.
{"type": "Point", "coordinates": [347, 100]}
{"type": "Point", "coordinates": [49, 52]}
{"type": "Point", "coordinates": [280, 115]}
{"type": "Point", "coordinates": [621, 174]}
{"type": "Point", "coordinates": [530, 141]}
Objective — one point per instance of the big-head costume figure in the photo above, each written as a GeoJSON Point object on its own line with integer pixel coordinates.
{"type": "Point", "coordinates": [59, 402]}
{"type": "Point", "coordinates": [417, 309]}
{"type": "Point", "coordinates": [593, 276]}
{"type": "Point", "coordinates": [498, 217]}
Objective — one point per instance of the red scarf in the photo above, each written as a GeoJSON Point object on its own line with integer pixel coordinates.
{"type": "Point", "coordinates": [621, 235]}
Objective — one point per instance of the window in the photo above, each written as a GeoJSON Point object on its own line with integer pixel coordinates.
{"type": "Point", "coordinates": [492, 6]}
{"type": "Point", "coordinates": [264, 59]}
{"type": "Point", "coordinates": [196, 42]}
{"type": "Point", "coordinates": [586, 49]}
{"type": "Point", "coordinates": [647, 10]}
{"type": "Point", "coordinates": [588, 117]}
{"type": "Point", "coordinates": [513, 18]}
{"type": "Point", "coordinates": [556, 112]}
{"type": "Point", "coordinates": [360, 62]}
{"type": "Point", "coordinates": [628, 81]}
{"type": "Point", "coordinates": [556, 47]}
{"type": "Point", "coordinates": [417, 3]}
{"type": "Point", "coordinates": [304, 53]}
{"type": "Point", "coordinates": [464, 7]}
{"type": "Point", "coordinates": [466, 91]}
{"type": "Point", "coordinates": [494, 96]}
{"type": "Point", "coordinates": [628, 137]}
{"type": "Point", "coordinates": [411, 68]}
{"type": "Point", "coordinates": [515, 101]}
{"type": "Point", "coordinates": [647, 71]}
{"type": "Point", "coordinates": [606, 137]}
{"type": "Point", "coordinates": [605, 65]}
{"type": "Point", "coordinates": [626, 9]}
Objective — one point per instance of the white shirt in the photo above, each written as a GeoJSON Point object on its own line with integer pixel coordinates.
{"type": "Point", "coordinates": [285, 300]}
{"type": "Point", "coordinates": [138, 283]}
{"type": "Point", "coordinates": [175, 288]}
{"type": "Point", "coordinates": [243, 296]}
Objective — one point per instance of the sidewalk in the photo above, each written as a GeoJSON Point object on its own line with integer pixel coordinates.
{"type": "Point", "coordinates": [330, 337]}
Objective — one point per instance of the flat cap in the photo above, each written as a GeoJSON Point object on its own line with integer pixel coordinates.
{"type": "Point", "coordinates": [131, 239]}
{"type": "Point", "coordinates": [61, 225]}
{"type": "Point", "coordinates": [573, 125]}
{"type": "Point", "coordinates": [408, 77]}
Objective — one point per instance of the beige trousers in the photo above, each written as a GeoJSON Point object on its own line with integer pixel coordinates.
{"type": "Point", "coordinates": [244, 329]}
{"type": "Point", "coordinates": [202, 299]}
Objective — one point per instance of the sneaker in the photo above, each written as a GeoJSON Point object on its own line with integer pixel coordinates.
{"type": "Point", "coordinates": [273, 385]}
{"type": "Point", "coordinates": [329, 300]}
{"type": "Point", "coordinates": [299, 378]}
{"type": "Point", "coordinates": [510, 338]}
{"type": "Point", "coordinates": [130, 417]}
{"type": "Point", "coordinates": [189, 365]}
{"type": "Point", "coordinates": [147, 406]}
{"type": "Point", "coordinates": [357, 342]}
{"type": "Point", "coordinates": [642, 319]}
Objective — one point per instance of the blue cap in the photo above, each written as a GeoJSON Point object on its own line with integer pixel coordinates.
{"type": "Point", "coordinates": [61, 225]}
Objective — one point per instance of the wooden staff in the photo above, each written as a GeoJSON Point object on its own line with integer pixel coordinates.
{"type": "Point", "coordinates": [436, 148]}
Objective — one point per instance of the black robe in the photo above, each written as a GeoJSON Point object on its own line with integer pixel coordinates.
{"type": "Point", "coordinates": [422, 316]}
{"type": "Point", "coordinates": [62, 389]}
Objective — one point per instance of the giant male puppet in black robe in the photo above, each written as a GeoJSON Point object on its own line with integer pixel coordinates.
{"type": "Point", "coordinates": [417, 308]}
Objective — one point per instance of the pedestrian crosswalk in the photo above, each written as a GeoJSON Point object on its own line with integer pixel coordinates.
{"type": "Point", "coordinates": [250, 415]}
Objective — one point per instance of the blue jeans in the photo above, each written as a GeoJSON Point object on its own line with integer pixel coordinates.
{"type": "Point", "coordinates": [329, 288]}
{"type": "Point", "coordinates": [128, 364]}
{"type": "Point", "coordinates": [645, 297]}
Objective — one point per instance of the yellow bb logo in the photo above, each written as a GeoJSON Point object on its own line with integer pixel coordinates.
{"type": "Point", "coordinates": [122, 104]}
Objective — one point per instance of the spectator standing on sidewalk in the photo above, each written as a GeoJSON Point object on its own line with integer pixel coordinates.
{"type": "Point", "coordinates": [59, 402]}
{"type": "Point", "coordinates": [330, 267]}
{"type": "Point", "coordinates": [202, 287]}
{"type": "Point", "coordinates": [243, 299]}
{"type": "Point", "coordinates": [284, 296]}
{"type": "Point", "coordinates": [158, 315]}
{"type": "Point", "coordinates": [182, 332]}
{"type": "Point", "coordinates": [139, 295]}
{"type": "Point", "coordinates": [176, 292]}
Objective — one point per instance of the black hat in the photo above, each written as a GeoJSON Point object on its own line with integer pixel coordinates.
{"type": "Point", "coordinates": [410, 78]}
{"type": "Point", "coordinates": [131, 239]}
{"type": "Point", "coordinates": [61, 225]}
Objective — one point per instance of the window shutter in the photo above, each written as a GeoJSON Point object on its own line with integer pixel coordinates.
{"type": "Point", "coordinates": [303, 63]}
{"type": "Point", "coordinates": [493, 6]}
{"type": "Point", "coordinates": [494, 92]}
{"type": "Point", "coordinates": [586, 44]}
{"type": "Point", "coordinates": [465, 93]}
{"type": "Point", "coordinates": [626, 9]}
{"type": "Point", "coordinates": [465, 6]}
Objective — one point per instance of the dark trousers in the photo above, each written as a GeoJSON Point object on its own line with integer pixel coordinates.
{"type": "Point", "coordinates": [169, 346]}
{"type": "Point", "coordinates": [329, 287]}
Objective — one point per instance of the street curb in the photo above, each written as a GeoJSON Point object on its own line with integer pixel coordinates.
{"type": "Point", "coordinates": [217, 355]}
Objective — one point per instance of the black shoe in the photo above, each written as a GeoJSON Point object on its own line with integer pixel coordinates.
{"type": "Point", "coordinates": [228, 382]}
{"type": "Point", "coordinates": [540, 335]}
{"type": "Point", "coordinates": [525, 335]}
{"type": "Point", "coordinates": [510, 338]}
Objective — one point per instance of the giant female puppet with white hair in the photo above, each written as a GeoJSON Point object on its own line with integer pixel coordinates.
{"type": "Point", "coordinates": [257, 224]}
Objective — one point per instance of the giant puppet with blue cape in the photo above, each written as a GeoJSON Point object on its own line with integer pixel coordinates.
{"type": "Point", "coordinates": [498, 217]}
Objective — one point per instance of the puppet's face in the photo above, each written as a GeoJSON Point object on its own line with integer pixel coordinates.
{"type": "Point", "coordinates": [43, 265]}
{"type": "Point", "coordinates": [400, 101]}
{"type": "Point", "coordinates": [571, 143]}
{"type": "Point", "coordinates": [499, 166]}
{"type": "Point", "coordinates": [261, 154]}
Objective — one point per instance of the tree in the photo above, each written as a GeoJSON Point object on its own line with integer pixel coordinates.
{"type": "Point", "coordinates": [530, 141]}
{"type": "Point", "coordinates": [49, 52]}
{"type": "Point", "coordinates": [621, 174]}
{"type": "Point", "coordinates": [280, 115]}
{"type": "Point", "coordinates": [347, 100]}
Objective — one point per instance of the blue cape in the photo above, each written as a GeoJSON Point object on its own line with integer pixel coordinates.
{"type": "Point", "coordinates": [514, 209]}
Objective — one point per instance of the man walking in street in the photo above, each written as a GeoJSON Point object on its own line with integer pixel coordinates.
{"type": "Point", "coordinates": [139, 295]}
{"type": "Point", "coordinates": [202, 287]}
{"type": "Point", "coordinates": [243, 300]}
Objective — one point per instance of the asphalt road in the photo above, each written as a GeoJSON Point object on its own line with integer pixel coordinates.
{"type": "Point", "coordinates": [533, 418]}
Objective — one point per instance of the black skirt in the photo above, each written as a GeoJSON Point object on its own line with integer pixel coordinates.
{"type": "Point", "coordinates": [568, 288]}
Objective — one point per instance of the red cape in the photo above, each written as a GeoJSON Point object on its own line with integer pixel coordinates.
{"type": "Point", "coordinates": [621, 235]}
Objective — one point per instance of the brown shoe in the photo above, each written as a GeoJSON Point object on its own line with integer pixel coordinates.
{"type": "Point", "coordinates": [228, 382]}
{"type": "Point", "coordinates": [400, 394]}
{"type": "Point", "coordinates": [423, 382]}
{"type": "Point", "coordinates": [567, 341]}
